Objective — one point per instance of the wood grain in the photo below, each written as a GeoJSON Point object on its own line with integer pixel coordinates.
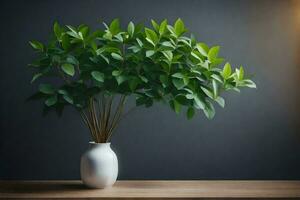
{"type": "Point", "coordinates": [151, 190]}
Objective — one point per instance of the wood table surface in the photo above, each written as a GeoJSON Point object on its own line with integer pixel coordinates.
{"type": "Point", "coordinates": [152, 190]}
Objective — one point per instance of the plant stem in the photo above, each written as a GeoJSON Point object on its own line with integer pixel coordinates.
{"type": "Point", "coordinates": [101, 118]}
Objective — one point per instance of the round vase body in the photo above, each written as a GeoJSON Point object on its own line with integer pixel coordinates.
{"type": "Point", "coordinates": [99, 166]}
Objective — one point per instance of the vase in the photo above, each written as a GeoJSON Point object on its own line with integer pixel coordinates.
{"type": "Point", "coordinates": [99, 166]}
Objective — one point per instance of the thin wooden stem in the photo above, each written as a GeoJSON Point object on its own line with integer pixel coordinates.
{"type": "Point", "coordinates": [87, 122]}
{"type": "Point", "coordinates": [101, 118]}
{"type": "Point", "coordinates": [117, 116]}
{"type": "Point", "coordinates": [108, 112]}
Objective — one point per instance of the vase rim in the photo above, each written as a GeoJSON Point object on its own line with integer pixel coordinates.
{"type": "Point", "coordinates": [102, 143]}
{"type": "Point", "coordinates": [93, 142]}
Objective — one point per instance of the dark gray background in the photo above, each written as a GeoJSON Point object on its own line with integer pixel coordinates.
{"type": "Point", "coordinates": [255, 137]}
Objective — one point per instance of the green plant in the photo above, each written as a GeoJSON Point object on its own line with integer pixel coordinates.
{"type": "Point", "coordinates": [97, 70]}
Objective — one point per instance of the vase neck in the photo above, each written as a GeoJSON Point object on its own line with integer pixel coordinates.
{"type": "Point", "coordinates": [99, 145]}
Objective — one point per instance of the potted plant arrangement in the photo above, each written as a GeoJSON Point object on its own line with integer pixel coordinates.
{"type": "Point", "coordinates": [97, 70]}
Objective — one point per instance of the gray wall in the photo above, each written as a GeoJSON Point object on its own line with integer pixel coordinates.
{"type": "Point", "coordinates": [255, 137]}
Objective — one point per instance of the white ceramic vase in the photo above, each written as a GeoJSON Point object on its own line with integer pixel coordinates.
{"type": "Point", "coordinates": [99, 166]}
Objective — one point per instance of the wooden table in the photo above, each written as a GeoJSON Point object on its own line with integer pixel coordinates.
{"type": "Point", "coordinates": [152, 190]}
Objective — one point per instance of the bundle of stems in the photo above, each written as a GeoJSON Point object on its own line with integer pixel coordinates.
{"type": "Point", "coordinates": [102, 115]}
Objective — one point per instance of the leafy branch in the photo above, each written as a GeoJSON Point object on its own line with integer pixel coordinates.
{"type": "Point", "coordinates": [101, 68]}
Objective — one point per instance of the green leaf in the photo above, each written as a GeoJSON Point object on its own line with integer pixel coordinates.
{"type": "Point", "coordinates": [168, 55]}
{"type": "Point", "coordinates": [190, 112]}
{"type": "Point", "coordinates": [213, 53]}
{"type": "Point", "coordinates": [171, 30]}
{"type": "Point", "coordinates": [139, 42]}
{"type": "Point", "coordinates": [56, 59]}
{"type": "Point", "coordinates": [65, 42]}
{"type": "Point", "coordinates": [130, 29]}
{"type": "Point", "coordinates": [98, 76]}
{"type": "Point", "coordinates": [119, 37]}
{"type": "Point", "coordinates": [36, 76]}
{"type": "Point", "coordinates": [117, 56]}
{"type": "Point", "coordinates": [135, 48]}
{"type": "Point", "coordinates": [72, 60]}
{"type": "Point", "coordinates": [209, 110]}
{"type": "Point", "coordinates": [249, 83]}
{"type": "Point", "coordinates": [186, 41]}
{"type": "Point", "coordinates": [241, 73]}
{"type": "Point", "coordinates": [203, 49]}
{"type": "Point", "coordinates": [68, 99]}
{"type": "Point", "coordinates": [73, 32]}
{"type": "Point", "coordinates": [215, 88]}
{"type": "Point", "coordinates": [217, 61]}
{"type": "Point", "coordinates": [51, 100]}
{"type": "Point", "coordinates": [105, 58]}
{"type": "Point", "coordinates": [205, 64]}
{"type": "Point", "coordinates": [220, 101]}
{"type": "Point", "coordinates": [155, 25]}
{"type": "Point", "coordinates": [84, 31]}
{"type": "Point", "coordinates": [175, 105]}
{"type": "Point", "coordinates": [57, 30]}
{"type": "Point", "coordinates": [226, 71]}
{"type": "Point", "coordinates": [151, 36]}
{"type": "Point", "coordinates": [133, 83]}
{"type": "Point", "coordinates": [94, 45]}
{"type": "Point", "coordinates": [116, 72]}
{"type": "Point", "coordinates": [164, 80]}
{"type": "Point", "coordinates": [181, 98]}
{"type": "Point", "coordinates": [159, 63]}
{"type": "Point", "coordinates": [74, 35]}
{"type": "Point", "coordinates": [62, 91]}
{"type": "Point", "coordinates": [139, 101]}
{"type": "Point", "coordinates": [68, 69]}
{"type": "Point", "coordinates": [37, 45]}
{"type": "Point", "coordinates": [179, 27]}
{"type": "Point", "coordinates": [72, 29]}
{"type": "Point", "coordinates": [114, 26]}
{"type": "Point", "coordinates": [217, 77]}
{"type": "Point", "coordinates": [143, 78]}
{"type": "Point", "coordinates": [199, 102]}
{"type": "Point", "coordinates": [207, 92]}
{"type": "Point", "coordinates": [148, 102]}
{"type": "Point", "coordinates": [46, 89]}
{"type": "Point", "coordinates": [195, 55]}
{"type": "Point", "coordinates": [189, 96]}
{"type": "Point", "coordinates": [186, 80]}
{"type": "Point", "coordinates": [80, 35]}
{"type": "Point", "coordinates": [178, 75]}
{"type": "Point", "coordinates": [105, 25]}
{"type": "Point", "coordinates": [162, 27]}
{"type": "Point", "coordinates": [150, 53]}
{"type": "Point", "coordinates": [178, 83]}
{"type": "Point", "coordinates": [121, 79]}
{"type": "Point", "coordinates": [108, 36]}
{"type": "Point", "coordinates": [100, 50]}
{"type": "Point", "coordinates": [168, 44]}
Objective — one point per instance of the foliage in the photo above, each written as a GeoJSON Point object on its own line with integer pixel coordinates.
{"type": "Point", "coordinates": [154, 64]}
